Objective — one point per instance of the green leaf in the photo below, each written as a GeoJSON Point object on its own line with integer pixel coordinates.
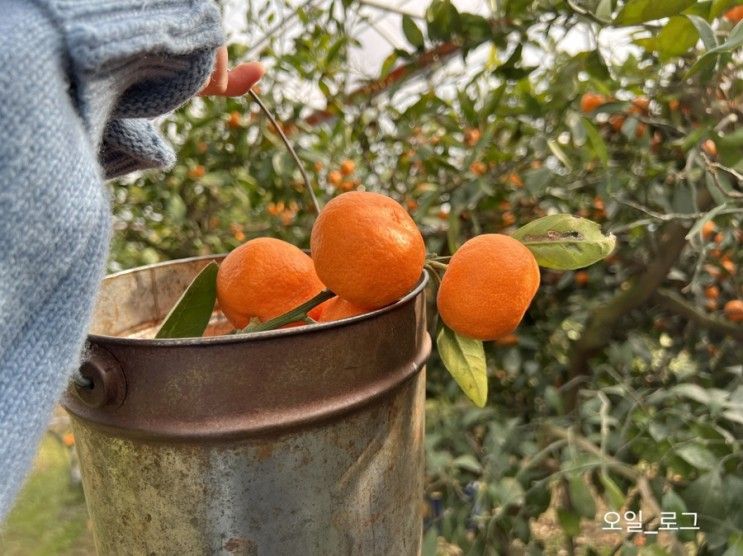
{"type": "Point", "coordinates": [412, 32]}
{"type": "Point", "coordinates": [612, 493]}
{"type": "Point", "coordinates": [603, 10]}
{"type": "Point", "coordinates": [597, 142]}
{"type": "Point", "coordinates": [442, 19]}
{"type": "Point", "coordinates": [698, 456]}
{"type": "Point", "coordinates": [464, 358]}
{"type": "Point", "coordinates": [672, 502]}
{"type": "Point", "coordinates": [735, 39]}
{"type": "Point", "coordinates": [190, 315]}
{"type": "Point", "coordinates": [706, 33]}
{"type": "Point", "coordinates": [677, 36]}
{"type": "Point", "coordinates": [640, 11]}
{"type": "Point", "coordinates": [387, 65]}
{"type": "Point", "coordinates": [569, 521]}
{"type": "Point", "coordinates": [564, 242]}
{"type": "Point", "coordinates": [581, 497]}
{"type": "Point", "coordinates": [559, 153]}
{"type": "Point", "coordinates": [507, 492]}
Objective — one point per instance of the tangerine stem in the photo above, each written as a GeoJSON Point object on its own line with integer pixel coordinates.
{"type": "Point", "coordinates": [292, 152]}
{"type": "Point", "coordinates": [437, 264]}
{"type": "Point", "coordinates": [299, 313]}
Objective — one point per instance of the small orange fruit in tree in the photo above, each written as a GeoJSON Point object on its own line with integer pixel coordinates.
{"type": "Point", "coordinates": [719, 238]}
{"type": "Point", "coordinates": [507, 340]}
{"type": "Point", "coordinates": [471, 136]}
{"type": "Point", "coordinates": [591, 101]}
{"type": "Point", "coordinates": [264, 278]}
{"type": "Point", "coordinates": [508, 218]}
{"type": "Point", "coordinates": [347, 185]}
{"type": "Point", "coordinates": [336, 308]}
{"type": "Point", "coordinates": [367, 249]}
{"type": "Point", "coordinates": [68, 440]}
{"type": "Point", "coordinates": [581, 278]}
{"type": "Point", "coordinates": [640, 129]}
{"type": "Point", "coordinates": [235, 119]}
{"type": "Point", "coordinates": [197, 172]}
{"type": "Point", "coordinates": [318, 165]}
{"type": "Point", "coordinates": [335, 177]}
{"type": "Point", "coordinates": [673, 104]}
{"type": "Point", "coordinates": [348, 167]}
{"type": "Point", "coordinates": [712, 292]}
{"type": "Point", "coordinates": [728, 264]}
{"type": "Point", "coordinates": [708, 229]}
{"type": "Point", "coordinates": [487, 287]}
{"type": "Point", "coordinates": [478, 168]}
{"type": "Point", "coordinates": [616, 121]}
{"type": "Point", "coordinates": [640, 105]}
{"type": "Point", "coordinates": [515, 180]}
{"type": "Point", "coordinates": [712, 270]}
{"type": "Point", "coordinates": [734, 15]}
{"type": "Point", "coordinates": [734, 310]}
{"type": "Point", "coordinates": [710, 148]}
{"type": "Point", "coordinates": [711, 305]}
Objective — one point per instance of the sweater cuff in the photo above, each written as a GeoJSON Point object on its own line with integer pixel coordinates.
{"type": "Point", "coordinates": [131, 145]}
{"type": "Point", "coordinates": [135, 59]}
{"type": "Point", "coordinates": [105, 34]}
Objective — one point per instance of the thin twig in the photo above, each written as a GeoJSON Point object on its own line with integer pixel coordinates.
{"type": "Point", "coordinates": [306, 178]}
{"type": "Point", "coordinates": [674, 302]}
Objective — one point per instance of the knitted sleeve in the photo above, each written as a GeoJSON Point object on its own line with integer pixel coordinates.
{"type": "Point", "coordinates": [78, 80]}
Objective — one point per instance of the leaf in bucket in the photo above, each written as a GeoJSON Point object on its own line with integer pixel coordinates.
{"type": "Point", "coordinates": [464, 358]}
{"type": "Point", "coordinates": [190, 315]}
{"type": "Point", "coordinates": [565, 242]}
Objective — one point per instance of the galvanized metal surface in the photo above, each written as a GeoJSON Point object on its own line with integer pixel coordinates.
{"type": "Point", "coordinates": [299, 441]}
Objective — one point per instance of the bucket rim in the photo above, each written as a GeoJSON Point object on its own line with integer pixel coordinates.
{"type": "Point", "coordinates": [250, 336]}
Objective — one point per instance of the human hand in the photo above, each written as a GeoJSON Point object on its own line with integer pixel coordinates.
{"type": "Point", "coordinates": [234, 82]}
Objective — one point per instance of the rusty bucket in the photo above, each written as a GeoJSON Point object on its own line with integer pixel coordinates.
{"type": "Point", "coordinates": [305, 441]}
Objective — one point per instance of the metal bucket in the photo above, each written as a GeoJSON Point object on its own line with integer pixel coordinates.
{"type": "Point", "coordinates": [300, 441]}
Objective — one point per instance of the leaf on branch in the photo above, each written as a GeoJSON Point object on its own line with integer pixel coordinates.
{"type": "Point", "coordinates": [565, 242]}
{"type": "Point", "coordinates": [640, 11]}
{"type": "Point", "coordinates": [464, 358]}
{"type": "Point", "coordinates": [411, 31]}
{"type": "Point", "coordinates": [190, 315]}
{"type": "Point", "coordinates": [735, 39]}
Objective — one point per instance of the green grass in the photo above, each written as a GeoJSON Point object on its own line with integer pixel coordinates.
{"type": "Point", "coordinates": [49, 518]}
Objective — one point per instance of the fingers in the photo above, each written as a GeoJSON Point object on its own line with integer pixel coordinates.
{"type": "Point", "coordinates": [232, 83]}
{"type": "Point", "coordinates": [242, 78]}
{"type": "Point", "coordinates": [218, 81]}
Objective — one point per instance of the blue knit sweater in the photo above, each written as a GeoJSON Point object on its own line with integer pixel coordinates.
{"type": "Point", "coordinates": [78, 80]}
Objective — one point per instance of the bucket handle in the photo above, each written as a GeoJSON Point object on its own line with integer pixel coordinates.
{"type": "Point", "coordinates": [99, 381]}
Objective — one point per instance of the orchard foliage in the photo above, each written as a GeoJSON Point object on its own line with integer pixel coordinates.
{"type": "Point", "coordinates": [623, 389]}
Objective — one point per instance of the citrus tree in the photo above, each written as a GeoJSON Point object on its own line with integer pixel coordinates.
{"type": "Point", "coordinates": [622, 390]}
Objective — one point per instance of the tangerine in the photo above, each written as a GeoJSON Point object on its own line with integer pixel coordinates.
{"type": "Point", "coordinates": [487, 287]}
{"type": "Point", "coordinates": [734, 15]}
{"type": "Point", "coordinates": [348, 167]}
{"type": "Point", "coordinates": [734, 310]}
{"type": "Point", "coordinates": [264, 278]}
{"type": "Point", "coordinates": [335, 177]}
{"type": "Point", "coordinates": [708, 229]}
{"type": "Point", "coordinates": [591, 101]}
{"type": "Point", "coordinates": [367, 249]}
{"type": "Point", "coordinates": [336, 308]}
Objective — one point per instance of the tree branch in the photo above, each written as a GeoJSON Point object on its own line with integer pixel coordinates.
{"type": "Point", "coordinates": [674, 302]}
{"type": "Point", "coordinates": [603, 320]}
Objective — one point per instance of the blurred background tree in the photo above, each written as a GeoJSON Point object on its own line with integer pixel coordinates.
{"type": "Point", "coordinates": [623, 388]}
